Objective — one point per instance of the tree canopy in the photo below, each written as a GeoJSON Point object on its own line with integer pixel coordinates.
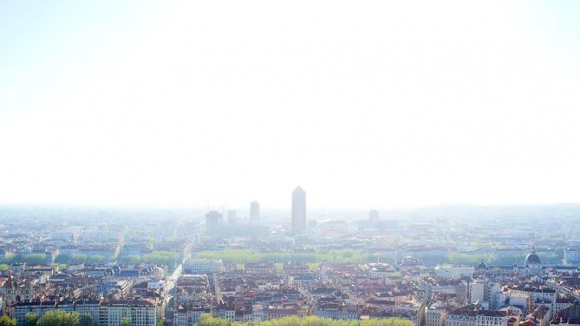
{"type": "Point", "coordinates": [85, 320]}
{"type": "Point", "coordinates": [31, 319]}
{"type": "Point", "coordinates": [31, 259]}
{"type": "Point", "coordinates": [208, 320]}
{"type": "Point", "coordinates": [126, 321]}
{"type": "Point", "coordinates": [167, 258]}
{"type": "Point", "coordinates": [332, 256]}
{"type": "Point", "coordinates": [60, 318]}
{"type": "Point", "coordinates": [7, 321]}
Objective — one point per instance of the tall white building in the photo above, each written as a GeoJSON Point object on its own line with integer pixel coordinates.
{"type": "Point", "coordinates": [202, 266]}
{"type": "Point", "coordinates": [529, 296]}
{"type": "Point", "coordinates": [104, 313]}
{"type": "Point", "coordinates": [373, 215]}
{"type": "Point", "coordinates": [213, 218]}
{"type": "Point", "coordinates": [298, 210]}
{"type": "Point", "coordinates": [435, 316]}
{"type": "Point", "coordinates": [141, 312]}
{"type": "Point", "coordinates": [473, 315]}
{"type": "Point", "coordinates": [254, 212]}
{"type": "Point", "coordinates": [491, 318]}
{"type": "Point", "coordinates": [19, 310]}
{"type": "Point", "coordinates": [441, 304]}
{"type": "Point", "coordinates": [572, 255]}
{"type": "Point", "coordinates": [189, 315]}
{"type": "Point", "coordinates": [484, 293]}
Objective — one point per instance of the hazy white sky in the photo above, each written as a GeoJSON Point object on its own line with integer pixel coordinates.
{"type": "Point", "coordinates": [362, 103]}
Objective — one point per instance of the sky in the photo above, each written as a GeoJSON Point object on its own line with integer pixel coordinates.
{"type": "Point", "coordinates": [364, 104]}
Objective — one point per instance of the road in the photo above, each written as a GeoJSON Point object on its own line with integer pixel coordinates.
{"type": "Point", "coordinates": [170, 282]}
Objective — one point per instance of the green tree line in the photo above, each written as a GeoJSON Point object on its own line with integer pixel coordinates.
{"type": "Point", "coordinates": [31, 259]}
{"type": "Point", "coordinates": [168, 258]}
{"type": "Point", "coordinates": [208, 320]}
{"type": "Point", "coordinates": [360, 257]}
{"type": "Point", "coordinates": [57, 318]}
{"type": "Point", "coordinates": [518, 259]}
{"type": "Point", "coordinates": [7, 321]}
{"type": "Point", "coordinates": [333, 256]}
{"type": "Point", "coordinates": [79, 259]}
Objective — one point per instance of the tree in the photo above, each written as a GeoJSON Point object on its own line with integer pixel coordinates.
{"type": "Point", "coordinates": [130, 259]}
{"type": "Point", "coordinates": [126, 321]}
{"type": "Point", "coordinates": [78, 259]}
{"type": "Point", "coordinates": [95, 259]}
{"type": "Point", "coordinates": [31, 319]}
{"type": "Point", "coordinates": [161, 322]}
{"type": "Point", "coordinates": [7, 321]}
{"type": "Point", "coordinates": [85, 320]}
{"type": "Point", "coordinates": [209, 320]}
{"type": "Point", "coordinates": [168, 258]}
{"type": "Point", "coordinates": [32, 259]}
{"type": "Point", "coordinates": [59, 318]}
{"type": "Point", "coordinates": [62, 259]}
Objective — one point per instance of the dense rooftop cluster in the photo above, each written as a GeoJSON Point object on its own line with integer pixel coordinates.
{"type": "Point", "coordinates": [177, 271]}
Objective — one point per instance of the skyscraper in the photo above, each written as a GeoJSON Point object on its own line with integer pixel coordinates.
{"type": "Point", "coordinates": [298, 210]}
{"type": "Point", "coordinates": [254, 212]}
{"type": "Point", "coordinates": [374, 216]}
{"type": "Point", "coordinates": [213, 218]}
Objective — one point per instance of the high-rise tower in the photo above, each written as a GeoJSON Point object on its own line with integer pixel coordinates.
{"type": "Point", "coordinates": [374, 216]}
{"type": "Point", "coordinates": [254, 212]}
{"type": "Point", "coordinates": [298, 210]}
{"type": "Point", "coordinates": [213, 218]}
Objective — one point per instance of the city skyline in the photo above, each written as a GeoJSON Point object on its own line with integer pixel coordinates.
{"type": "Point", "coordinates": [178, 269]}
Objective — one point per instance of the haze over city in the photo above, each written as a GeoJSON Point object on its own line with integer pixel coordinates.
{"type": "Point", "coordinates": [375, 104]}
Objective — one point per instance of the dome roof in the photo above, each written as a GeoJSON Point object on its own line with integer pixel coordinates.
{"type": "Point", "coordinates": [532, 258]}
{"type": "Point", "coordinates": [481, 265]}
